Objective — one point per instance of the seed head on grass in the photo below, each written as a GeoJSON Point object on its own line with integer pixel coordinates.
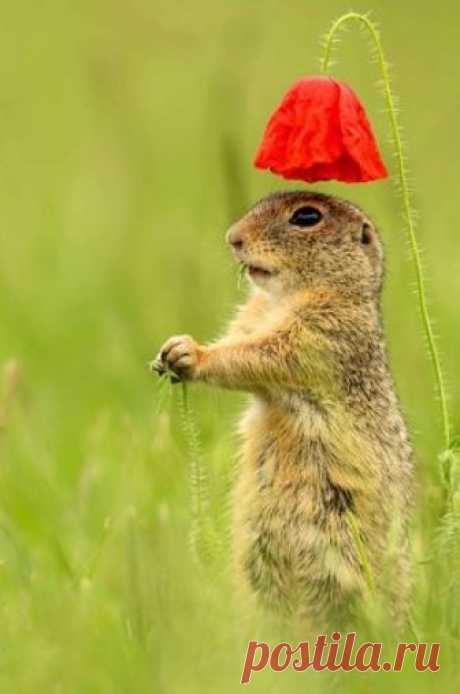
{"type": "Point", "coordinates": [204, 541]}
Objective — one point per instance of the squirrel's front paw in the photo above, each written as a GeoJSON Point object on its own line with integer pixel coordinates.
{"type": "Point", "coordinates": [181, 355]}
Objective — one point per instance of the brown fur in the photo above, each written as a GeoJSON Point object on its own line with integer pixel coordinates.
{"type": "Point", "coordinates": [324, 446]}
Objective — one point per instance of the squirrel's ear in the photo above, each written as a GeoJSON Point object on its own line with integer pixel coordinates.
{"type": "Point", "coordinates": [367, 234]}
{"type": "Point", "coordinates": [363, 234]}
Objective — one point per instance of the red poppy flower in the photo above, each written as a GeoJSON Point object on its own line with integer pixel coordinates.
{"type": "Point", "coordinates": [320, 131]}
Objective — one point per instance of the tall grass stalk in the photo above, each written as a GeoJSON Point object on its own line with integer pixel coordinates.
{"type": "Point", "coordinates": [203, 541]}
{"type": "Point", "coordinates": [199, 485]}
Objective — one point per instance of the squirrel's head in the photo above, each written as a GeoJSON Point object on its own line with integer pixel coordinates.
{"type": "Point", "coordinates": [290, 241]}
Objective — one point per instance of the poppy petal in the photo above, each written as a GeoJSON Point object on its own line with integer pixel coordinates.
{"type": "Point", "coordinates": [358, 138]}
{"type": "Point", "coordinates": [320, 131]}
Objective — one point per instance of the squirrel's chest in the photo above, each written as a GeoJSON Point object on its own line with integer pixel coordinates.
{"type": "Point", "coordinates": [286, 462]}
{"type": "Point", "coordinates": [289, 515]}
{"type": "Point", "coordinates": [292, 419]}
{"type": "Point", "coordinates": [284, 448]}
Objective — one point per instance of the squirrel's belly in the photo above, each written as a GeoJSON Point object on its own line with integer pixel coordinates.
{"type": "Point", "coordinates": [292, 540]}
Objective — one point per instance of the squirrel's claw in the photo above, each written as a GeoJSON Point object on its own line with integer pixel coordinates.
{"type": "Point", "coordinates": [158, 366]}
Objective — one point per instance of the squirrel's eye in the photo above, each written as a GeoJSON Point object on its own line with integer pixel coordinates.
{"type": "Point", "coordinates": [306, 217]}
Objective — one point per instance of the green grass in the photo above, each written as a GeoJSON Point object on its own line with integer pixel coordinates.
{"type": "Point", "coordinates": [126, 140]}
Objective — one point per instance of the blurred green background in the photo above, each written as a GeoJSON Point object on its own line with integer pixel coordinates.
{"type": "Point", "coordinates": [127, 132]}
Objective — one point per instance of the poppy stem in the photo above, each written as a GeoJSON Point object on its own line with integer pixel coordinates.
{"type": "Point", "coordinates": [408, 213]}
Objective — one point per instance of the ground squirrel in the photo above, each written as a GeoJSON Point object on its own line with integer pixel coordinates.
{"type": "Point", "coordinates": [322, 502]}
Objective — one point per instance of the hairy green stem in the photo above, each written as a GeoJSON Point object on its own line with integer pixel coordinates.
{"type": "Point", "coordinates": [198, 477]}
{"type": "Point", "coordinates": [408, 213]}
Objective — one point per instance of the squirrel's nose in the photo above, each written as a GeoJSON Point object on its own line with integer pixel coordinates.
{"type": "Point", "coordinates": [235, 238]}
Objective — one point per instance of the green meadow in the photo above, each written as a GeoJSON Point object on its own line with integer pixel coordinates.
{"type": "Point", "coordinates": [127, 133]}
